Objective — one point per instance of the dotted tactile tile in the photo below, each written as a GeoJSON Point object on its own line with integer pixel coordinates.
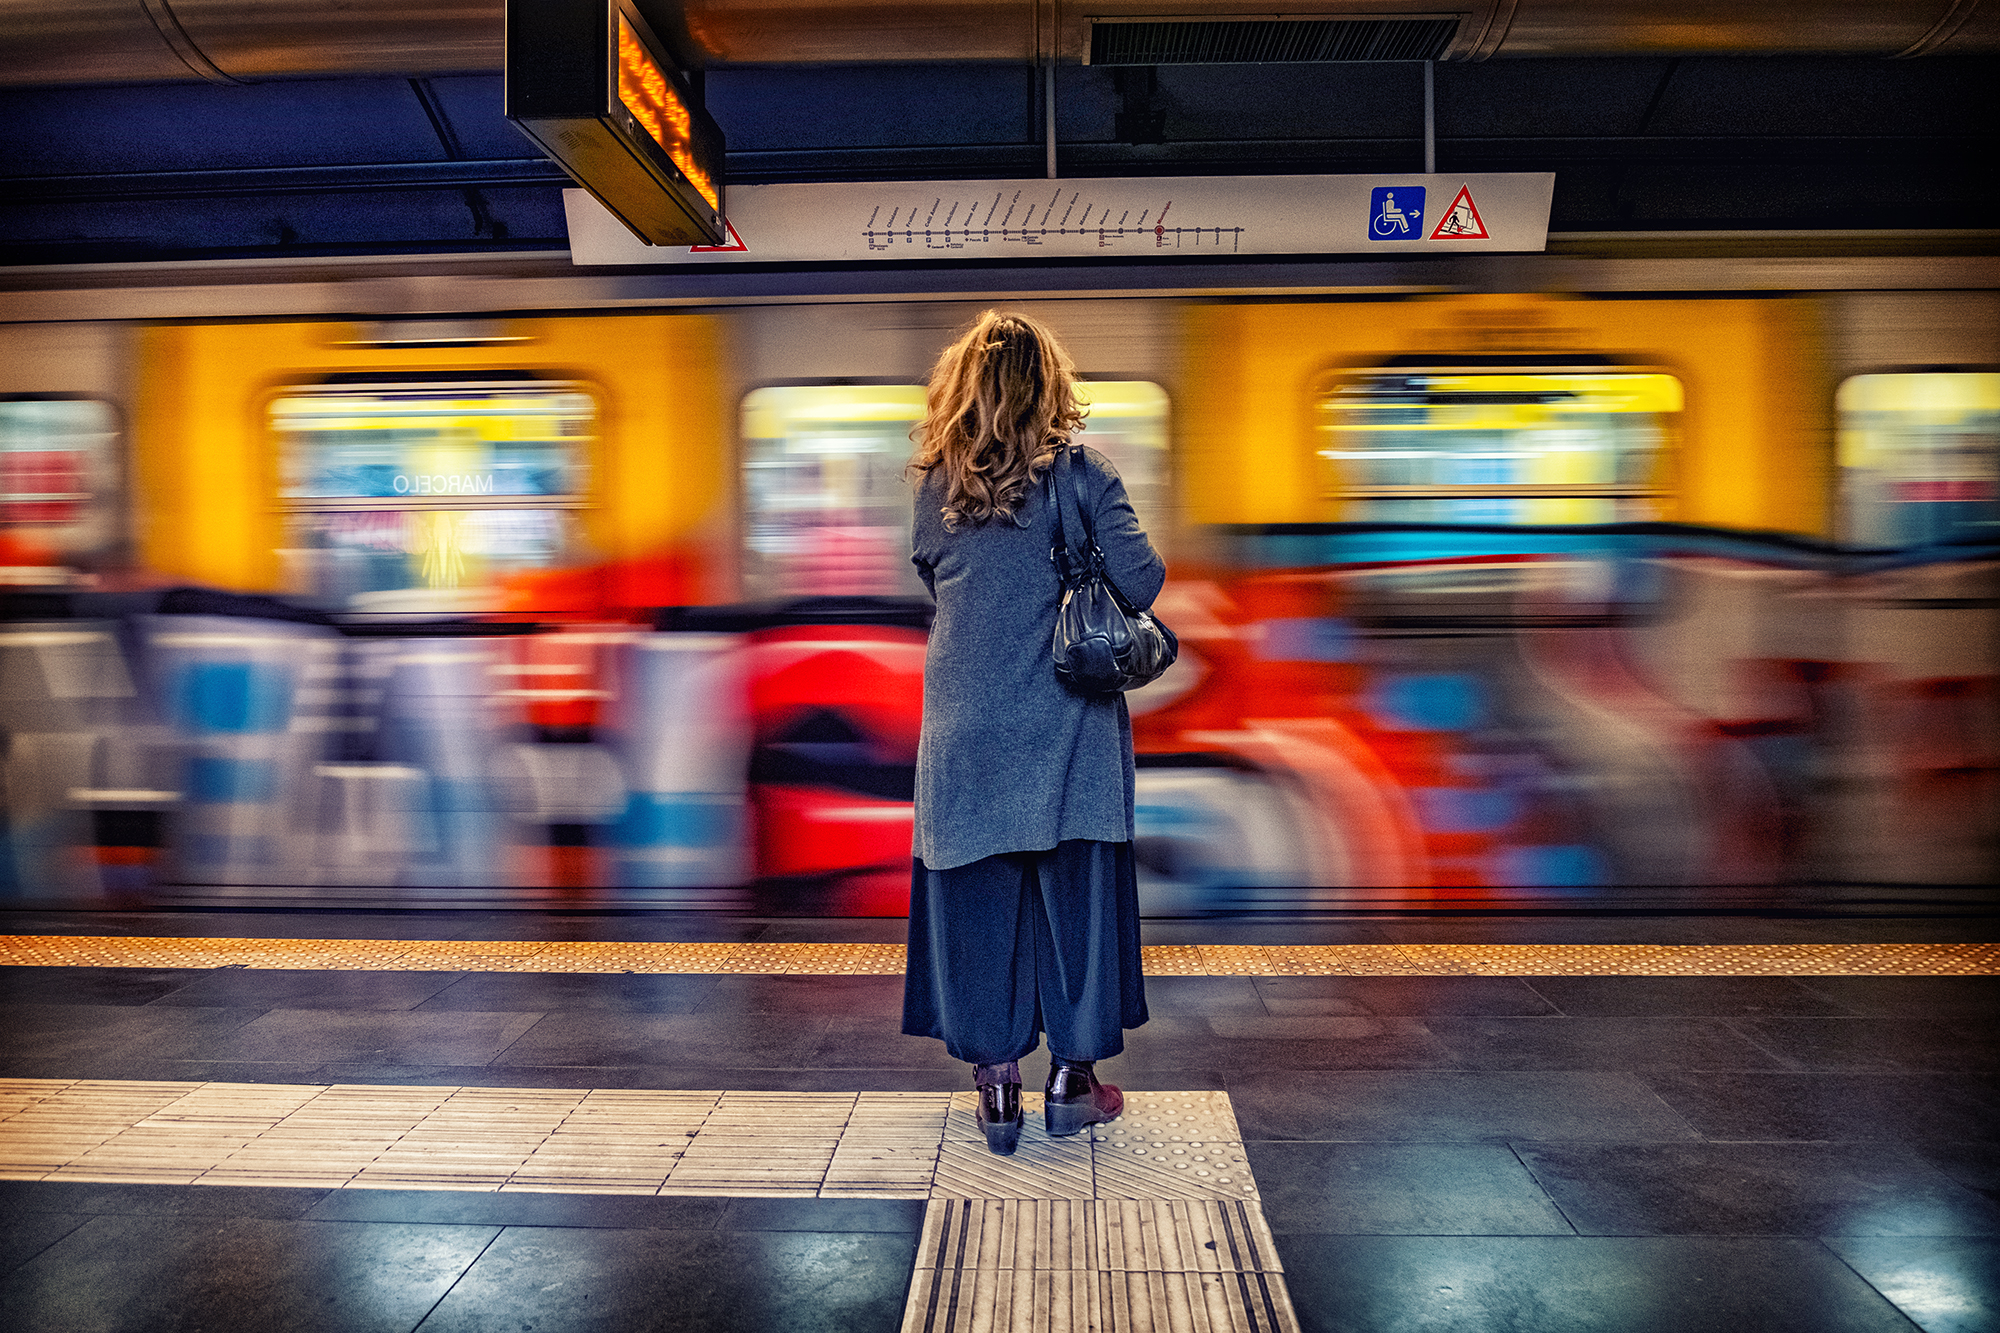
{"type": "Point", "coordinates": [1215, 960]}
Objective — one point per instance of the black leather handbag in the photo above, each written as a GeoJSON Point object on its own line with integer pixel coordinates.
{"type": "Point", "coordinates": [1103, 644]}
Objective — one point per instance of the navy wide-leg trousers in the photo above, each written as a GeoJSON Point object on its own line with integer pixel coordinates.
{"type": "Point", "coordinates": [1016, 945]}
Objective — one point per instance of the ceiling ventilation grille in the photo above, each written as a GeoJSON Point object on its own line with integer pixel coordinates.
{"type": "Point", "coordinates": [1267, 41]}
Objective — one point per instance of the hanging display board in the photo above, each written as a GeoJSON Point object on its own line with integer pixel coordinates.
{"type": "Point", "coordinates": [594, 88]}
{"type": "Point", "coordinates": [1210, 216]}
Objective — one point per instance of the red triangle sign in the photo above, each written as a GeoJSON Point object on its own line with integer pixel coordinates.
{"type": "Point", "coordinates": [1461, 222]}
{"type": "Point", "coordinates": [735, 243]}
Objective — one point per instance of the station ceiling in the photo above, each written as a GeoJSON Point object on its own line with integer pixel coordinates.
{"type": "Point", "coordinates": [381, 164]}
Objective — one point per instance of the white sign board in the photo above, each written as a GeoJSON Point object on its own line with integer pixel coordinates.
{"type": "Point", "coordinates": [1209, 216]}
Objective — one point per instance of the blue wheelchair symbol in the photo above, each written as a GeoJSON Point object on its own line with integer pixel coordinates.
{"type": "Point", "coordinates": [1396, 213]}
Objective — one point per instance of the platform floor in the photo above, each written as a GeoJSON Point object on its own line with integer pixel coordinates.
{"type": "Point", "coordinates": [273, 1120]}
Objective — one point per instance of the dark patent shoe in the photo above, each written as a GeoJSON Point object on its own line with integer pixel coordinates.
{"type": "Point", "coordinates": [1000, 1116]}
{"type": "Point", "coordinates": [1075, 1099]}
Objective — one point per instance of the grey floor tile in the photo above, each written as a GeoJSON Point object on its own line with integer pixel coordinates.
{"type": "Point", "coordinates": [1414, 996]}
{"type": "Point", "coordinates": [92, 985]}
{"type": "Point", "coordinates": [1451, 1107]}
{"type": "Point", "coordinates": [95, 1032]}
{"type": "Point", "coordinates": [1948, 1042]}
{"type": "Point", "coordinates": [713, 1041]}
{"type": "Point", "coordinates": [890, 1216]}
{"type": "Point", "coordinates": [1675, 1284]}
{"type": "Point", "coordinates": [1274, 1042]}
{"type": "Point", "coordinates": [836, 930]}
{"type": "Point", "coordinates": [868, 1041]}
{"type": "Point", "coordinates": [23, 1235]}
{"type": "Point", "coordinates": [555, 992]}
{"type": "Point", "coordinates": [1400, 1189]}
{"type": "Point", "coordinates": [725, 1281]}
{"type": "Point", "coordinates": [189, 1201]}
{"type": "Point", "coordinates": [1777, 1105]}
{"type": "Point", "coordinates": [1769, 1189]}
{"type": "Point", "coordinates": [520, 1209]}
{"type": "Point", "coordinates": [1916, 996]}
{"type": "Point", "coordinates": [1202, 997]}
{"type": "Point", "coordinates": [1973, 1165]}
{"type": "Point", "coordinates": [1661, 997]}
{"type": "Point", "coordinates": [160, 1070]}
{"type": "Point", "coordinates": [1264, 930]}
{"type": "Point", "coordinates": [127, 1273]}
{"type": "Point", "coordinates": [1560, 1042]}
{"type": "Point", "coordinates": [871, 996]}
{"type": "Point", "coordinates": [1942, 1285]}
{"type": "Point", "coordinates": [303, 988]}
{"type": "Point", "coordinates": [384, 1037]}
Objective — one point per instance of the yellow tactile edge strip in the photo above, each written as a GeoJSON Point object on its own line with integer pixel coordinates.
{"type": "Point", "coordinates": [897, 1145]}
{"type": "Point", "coordinates": [1161, 960]}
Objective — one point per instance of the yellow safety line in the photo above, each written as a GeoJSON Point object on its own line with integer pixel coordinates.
{"type": "Point", "coordinates": [1161, 960]}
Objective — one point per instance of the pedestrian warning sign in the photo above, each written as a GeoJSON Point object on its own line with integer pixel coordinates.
{"type": "Point", "coordinates": [1461, 222]}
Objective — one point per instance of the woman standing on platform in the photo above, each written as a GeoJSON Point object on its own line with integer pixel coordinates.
{"type": "Point", "coordinates": [1023, 896]}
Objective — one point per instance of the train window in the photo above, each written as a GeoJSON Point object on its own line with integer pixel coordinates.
{"type": "Point", "coordinates": [1920, 457]}
{"type": "Point", "coordinates": [1519, 446]}
{"type": "Point", "coordinates": [58, 481]}
{"type": "Point", "coordinates": [827, 505]}
{"type": "Point", "coordinates": [425, 497]}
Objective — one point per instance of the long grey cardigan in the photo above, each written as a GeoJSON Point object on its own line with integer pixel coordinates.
{"type": "Point", "coordinates": [1009, 760]}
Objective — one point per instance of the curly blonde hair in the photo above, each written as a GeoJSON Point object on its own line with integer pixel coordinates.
{"type": "Point", "coordinates": [1002, 400]}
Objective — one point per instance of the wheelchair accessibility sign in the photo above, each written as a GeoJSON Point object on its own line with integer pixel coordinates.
{"type": "Point", "coordinates": [1396, 213]}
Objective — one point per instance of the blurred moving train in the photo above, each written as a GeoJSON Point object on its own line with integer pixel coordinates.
{"type": "Point", "coordinates": [1483, 598]}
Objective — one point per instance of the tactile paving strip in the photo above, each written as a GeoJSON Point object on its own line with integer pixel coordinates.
{"type": "Point", "coordinates": [1097, 1264]}
{"type": "Point", "coordinates": [1190, 960]}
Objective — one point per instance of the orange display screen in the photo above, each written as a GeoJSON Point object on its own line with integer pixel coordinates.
{"type": "Point", "coordinates": [653, 101]}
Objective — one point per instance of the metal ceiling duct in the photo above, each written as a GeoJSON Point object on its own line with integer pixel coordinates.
{"type": "Point", "coordinates": [120, 41]}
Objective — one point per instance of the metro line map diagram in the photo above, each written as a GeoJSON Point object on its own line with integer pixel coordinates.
{"type": "Point", "coordinates": [1011, 215]}
{"type": "Point", "coordinates": [1205, 218]}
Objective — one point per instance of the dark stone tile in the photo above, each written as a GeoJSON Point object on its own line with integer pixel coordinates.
{"type": "Point", "coordinates": [1202, 997]}
{"type": "Point", "coordinates": [376, 1036]}
{"type": "Point", "coordinates": [878, 1042]}
{"type": "Point", "coordinates": [1414, 996]}
{"type": "Point", "coordinates": [1493, 928]}
{"type": "Point", "coordinates": [23, 1235]}
{"type": "Point", "coordinates": [876, 997]}
{"type": "Point", "coordinates": [628, 1281]}
{"type": "Point", "coordinates": [163, 1071]}
{"type": "Point", "coordinates": [1253, 1042]}
{"type": "Point", "coordinates": [521, 1209]}
{"type": "Point", "coordinates": [1973, 1165]}
{"type": "Point", "coordinates": [713, 1041]}
{"type": "Point", "coordinates": [1910, 996]}
{"type": "Point", "coordinates": [86, 1032]}
{"type": "Point", "coordinates": [555, 992]}
{"type": "Point", "coordinates": [194, 1201]}
{"type": "Point", "coordinates": [1753, 1105]}
{"type": "Point", "coordinates": [1578, 1284]}
{"type": "Point", "coordinates": [1942, 1285]}
{"type": "Point", "coordinates": [1771, 1189]}
{"type": "Point", "coordinates": [1319, 1042]}
{"type": "Point", "coordinates": [124, 1273]}
{"type": "Point", "coordinates": [1661, 997]}
{"type": "Point", "coordinates": [1255, 930]}
{"type": "Point", "coordinates": [837, 930]}
{"type": "Point", "coordinates": [903, 1217]}
{"type": "Point", "coordinates": [287, 988]}
{"type": "Point", "coordinates": [1959, 1042]}
{"type": "Point", "coordinates": [92, 985]}
{"type": "Point", "coordinates": [1400, 1189]}
{"type": "Point", "coordinates": [614, 927]}
{"type": "Point", "coordinates": [1443, 1107]}
{"type": "Point", "coordinates": [1598, 1043]}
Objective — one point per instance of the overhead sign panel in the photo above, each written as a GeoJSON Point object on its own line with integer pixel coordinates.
{"type": "Point", "coordinates": [589, 82]}
{"type": "Point", "coordinates": [1211, 216]}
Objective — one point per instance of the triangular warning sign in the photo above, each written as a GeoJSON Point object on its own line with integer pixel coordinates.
{"type": "Point", "coordinates": [735, 243]}
{"type": "Point", "coordinates": [1461, 222]}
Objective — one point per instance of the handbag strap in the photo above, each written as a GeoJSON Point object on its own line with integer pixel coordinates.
{"type": "Point", "coordinates": [1072, 561]}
